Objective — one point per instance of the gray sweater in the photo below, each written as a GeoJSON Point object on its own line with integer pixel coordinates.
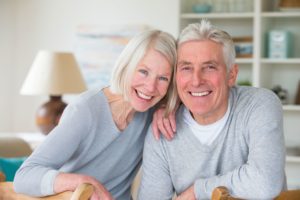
{"type": "Point", "coordinates": [247, 157]}
{"type": "Point", "coordinates": [87, 141]}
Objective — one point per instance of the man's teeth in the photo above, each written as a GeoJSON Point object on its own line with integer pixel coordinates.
{"type": "Point", "coordinates": [143, 96]}
{"type": "Point", "coordinates": [199, 94]}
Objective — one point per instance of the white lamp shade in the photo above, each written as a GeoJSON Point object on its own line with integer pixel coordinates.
{"type": "Point", "coordinates": [53, 73]}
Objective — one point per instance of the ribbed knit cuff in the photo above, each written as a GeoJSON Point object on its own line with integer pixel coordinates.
{"type": "Point", "coordinates": [47, 183]}
{"type": "Point", "coordinates": [200, 190]}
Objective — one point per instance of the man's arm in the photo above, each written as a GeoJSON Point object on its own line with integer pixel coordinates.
{"type": "Point", "coordinates": [156, 183]}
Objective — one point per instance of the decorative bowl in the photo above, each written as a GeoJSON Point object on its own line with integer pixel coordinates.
{"type": "Point", "coordinates": [201, 8]}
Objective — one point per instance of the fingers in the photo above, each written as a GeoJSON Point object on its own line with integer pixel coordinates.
{"type": "Point", "coordinates": [168, 132]}
{"type": "Point", "coordinates": [164, 130]}
{"type": "Point", "coordinates": [163, 125]}
{"type": "Point", "coordinates": [155, 127]}
{"type": "Point", "coordinates": [95, 196]}
{"type": "Point", "coordinates": [102, 194]}
{"type": "Point", "coordinates": [173, 121]}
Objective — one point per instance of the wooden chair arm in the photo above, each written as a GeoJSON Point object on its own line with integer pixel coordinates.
{"type": "Point", "coordinates": [2, 177]}
{"type": "Point", "coordinates": [221, 193]}
{"type": "Point", "coordinates": [289, 194]}
{"type": "Point", "coordinates": [82, 192]}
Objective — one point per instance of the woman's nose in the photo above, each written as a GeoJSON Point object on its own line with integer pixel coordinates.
{"type": "Point", "coordinates": [150, 84]}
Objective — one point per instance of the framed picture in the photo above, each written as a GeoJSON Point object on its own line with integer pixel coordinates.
{"type": "Point", "coordinates": [97, 49]}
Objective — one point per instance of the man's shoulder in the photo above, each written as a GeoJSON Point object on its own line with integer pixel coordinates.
{"type": "Point", "coordinates": [254, 93]}
{"type": "Point", "coordinates": [255, 101]}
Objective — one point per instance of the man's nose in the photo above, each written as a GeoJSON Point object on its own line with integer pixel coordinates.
{"type": "Point", "coordinates": [197, 79]}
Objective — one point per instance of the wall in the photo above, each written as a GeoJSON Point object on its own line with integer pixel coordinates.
{"type": "Point", "coordinates": [7, 47]}
{"type": "Point", "coordinates": [51, 24]}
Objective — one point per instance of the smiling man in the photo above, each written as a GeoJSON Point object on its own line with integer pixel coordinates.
{"type": "Point", "coordinates": [226, 135]}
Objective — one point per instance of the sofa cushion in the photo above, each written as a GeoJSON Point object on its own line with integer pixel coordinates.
{"type": "Point", "coordinates": [9, 166]}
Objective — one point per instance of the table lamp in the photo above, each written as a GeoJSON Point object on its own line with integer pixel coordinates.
{"type": "Point", "coordinates": [53, 74]}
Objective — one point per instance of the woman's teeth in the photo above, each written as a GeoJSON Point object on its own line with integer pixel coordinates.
{"type": "Point", "coordinates": [143, 96]}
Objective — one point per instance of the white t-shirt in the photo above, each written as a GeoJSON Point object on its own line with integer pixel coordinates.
{"type": "Point", "coordinates": [206, 134]}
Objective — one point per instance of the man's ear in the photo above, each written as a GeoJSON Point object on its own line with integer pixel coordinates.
{"type": "Point", "coordinates": [232, 75]}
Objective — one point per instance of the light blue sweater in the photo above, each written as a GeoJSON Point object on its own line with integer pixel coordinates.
{"type": "Point", "coordinates": [87, 141]}
{"type": "Point", "coordinates": [247, 157]}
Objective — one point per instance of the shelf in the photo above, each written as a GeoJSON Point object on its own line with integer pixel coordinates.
{"type": "Point", "coordinates": [291, 107]}
{"type": "Point", "coordinates": [244, 60]}
{"type": "Point", "coordinates": [216, 15]}
{"type": "Point", "coordinates": [280, 61]}
{"type": "Point", "coordinates": [280, 14]}
{"type": "Point", "coordinates": [294, 159]}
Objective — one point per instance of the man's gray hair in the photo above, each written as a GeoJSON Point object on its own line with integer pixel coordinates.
{"type": "Point", "coordinates": [205, 31]}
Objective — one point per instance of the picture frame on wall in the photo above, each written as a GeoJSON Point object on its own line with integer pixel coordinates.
{"type": "Point", "coordinates": [97, 48]}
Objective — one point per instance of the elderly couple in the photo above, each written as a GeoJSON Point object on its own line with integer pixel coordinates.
{"type": "Point", "coordinates": [215, 133]}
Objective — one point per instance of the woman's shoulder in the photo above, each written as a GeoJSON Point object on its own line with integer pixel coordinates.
{"type": "Point", "coordinates": [88, 97]}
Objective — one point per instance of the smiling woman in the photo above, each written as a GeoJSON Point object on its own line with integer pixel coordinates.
{"type": "Point", "coordinates": [105, 128]}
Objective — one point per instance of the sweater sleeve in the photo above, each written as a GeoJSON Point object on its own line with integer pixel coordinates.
{"type": "Point", "coordinates": [262, 176]}
{"type": "Point", "coordinates": [37, 174]}
{"type": "Point", "coordinates": [156, 183]}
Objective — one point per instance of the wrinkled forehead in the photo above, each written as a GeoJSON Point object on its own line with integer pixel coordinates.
{"type": "Point", "coordinates": [198, 48]}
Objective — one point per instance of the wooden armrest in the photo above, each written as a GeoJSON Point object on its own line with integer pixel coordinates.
{"type": "Point", "coordinates": [2, 177]}
{"type": "Point", "coordinates": [289, 194]}
{"type": "Point", "coordinates": [82, 192]}
{"type": "Point", "coordinates": [221, 193]}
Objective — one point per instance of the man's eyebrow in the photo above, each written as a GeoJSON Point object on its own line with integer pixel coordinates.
{"type": "Point", "coordinates": [210, 62]}
{"type": "Point", "coordinates": [183, 62]}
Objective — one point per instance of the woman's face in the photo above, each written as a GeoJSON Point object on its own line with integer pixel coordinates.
{"type": "Point", "coordinates": [150, 81]}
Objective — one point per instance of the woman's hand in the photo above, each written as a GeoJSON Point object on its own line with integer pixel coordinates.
{"type": "Point", "coordinates": [69, 182]}
{"type": "Point", "coordinates": [187, 194]}
{"type": "Point", "coordinates": [164, 125]}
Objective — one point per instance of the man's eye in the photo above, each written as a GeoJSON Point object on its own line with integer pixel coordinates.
{"type": "Point", "coordinates": [142, 71]}
{"type": "Point", "coordinates": [163, 78]}
{"type": "Point", "coordinates": [185, 68]}
{"type": "Point", "coordinates": [209, 67]}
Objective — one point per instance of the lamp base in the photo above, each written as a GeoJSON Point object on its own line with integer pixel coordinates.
{"type": "Point", "coordinates": [48, 115]}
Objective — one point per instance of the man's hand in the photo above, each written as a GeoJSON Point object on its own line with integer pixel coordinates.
{"type": "Point", "coordinates": [164, 125]}
{"type": "Point", "coordinates": [188, 194]}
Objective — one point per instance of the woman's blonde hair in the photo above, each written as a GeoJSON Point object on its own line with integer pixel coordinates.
{"type": "Point", "coordinates": [134, 52]}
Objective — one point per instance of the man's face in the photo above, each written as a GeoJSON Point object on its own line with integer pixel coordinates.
{"type": "Point", "coordinates": [203, 81]}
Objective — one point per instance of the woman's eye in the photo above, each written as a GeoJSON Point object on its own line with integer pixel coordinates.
{"type": "Point", "coordinates": [162, 78]}
{"type": "Point", "coordinates": [142, 71]}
